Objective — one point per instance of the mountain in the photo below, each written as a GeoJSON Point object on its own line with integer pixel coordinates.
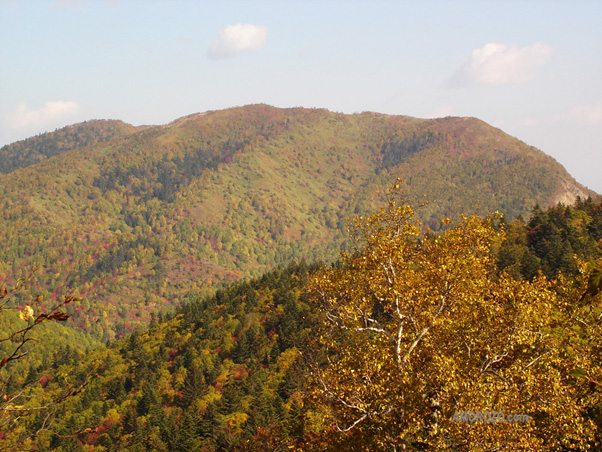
{"type": "Point", "coordinates": [132, 219]}
{"type": "Point", "coordinates": [35, 149]}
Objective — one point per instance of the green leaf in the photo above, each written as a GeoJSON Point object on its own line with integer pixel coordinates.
{"type": "Point", "coordinates": [578, 373]}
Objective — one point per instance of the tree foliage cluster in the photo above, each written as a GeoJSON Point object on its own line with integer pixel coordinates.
{"type": "Point", "coordinates": [224, 373]}
{"type": "Point", "coordinates": [551, 239]}
{"type": "Point", "coordinates": [376, 352]}
{"type": "Point", "coordinates": [418, 329]}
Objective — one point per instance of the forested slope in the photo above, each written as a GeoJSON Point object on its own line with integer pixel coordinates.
{"type": "Point", "coordinates": [36, 149]}
{"type": "Point", "coordinates": [549, 241]}
{"type": "Point", "coordinates": [237, 370]}
{"type": "Point", "coordinates": [224, 373]}
{"type": "Point", "coordinates": [136, 218]}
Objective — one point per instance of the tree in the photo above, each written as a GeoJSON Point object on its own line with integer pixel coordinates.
{"type": "Point", "coordinates": [422, 334]}
{"type": "Point", "coordinates": [18, 401]}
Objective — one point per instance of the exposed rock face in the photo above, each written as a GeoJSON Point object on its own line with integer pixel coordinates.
{"type": "Point", "coordinates": [569, 190]}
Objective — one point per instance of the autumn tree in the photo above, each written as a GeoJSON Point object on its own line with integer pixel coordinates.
{"type": "Point", "coordinates": [20, 400]}
{"type": "Point", "coordinates": [420, 331]}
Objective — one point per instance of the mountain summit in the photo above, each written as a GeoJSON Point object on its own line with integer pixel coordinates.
{"type": "Point", "coordinates": [134, 218]}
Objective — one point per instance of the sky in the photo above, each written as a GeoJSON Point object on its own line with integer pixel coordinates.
{"type": "Point", "coordinates": [531, 68]}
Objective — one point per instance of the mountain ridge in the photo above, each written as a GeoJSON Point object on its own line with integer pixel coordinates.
{"type": "Point", "coordinates": [135, 221]}
{"type": "Point", "coordinates": [123, 129]}
{"type": "Point", "coordinates": [33, 150]}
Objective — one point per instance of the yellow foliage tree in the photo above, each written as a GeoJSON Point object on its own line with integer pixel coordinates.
{"type": "Point", "coordinates": [427, 346]}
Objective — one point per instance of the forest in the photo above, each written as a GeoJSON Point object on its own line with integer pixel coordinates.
{"type": "Point", "coordinates": [132, 218]}
{"type": "Point", "coordinates": [243, 280]}
{"type": "Point", "coordinates": [377, 351]}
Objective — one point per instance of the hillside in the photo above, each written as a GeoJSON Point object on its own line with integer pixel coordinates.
{"type": "Point", "coordinates": [35, 149]}
{"type": "Point", "coordinates": [237, 370]}
{"type": "Point", "coordinates": [133, 219]}
{"type": "Point", "coordinates": [225, 371]}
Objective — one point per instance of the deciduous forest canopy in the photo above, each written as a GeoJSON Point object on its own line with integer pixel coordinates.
{"type": "Point", "coordinates": [209, 308]}
{"type": "Point", "coordinates": [133, 218]}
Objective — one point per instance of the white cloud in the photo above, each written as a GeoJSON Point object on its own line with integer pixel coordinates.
{"type": "Point", "coordinates": [498, 64]}
{"type": "Point", "coordinates": [587, 114]}
{"type": "Point", "coordinates": [27, 118]}
{"type": "Point", "coordinates": [235, 39]}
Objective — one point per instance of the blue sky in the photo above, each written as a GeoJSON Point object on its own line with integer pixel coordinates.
{"type": "Point", "coordinates": [531, 68]}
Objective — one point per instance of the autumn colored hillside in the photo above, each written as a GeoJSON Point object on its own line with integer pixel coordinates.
{"type": "Point", "coordinates": [396, 346]}
{"type": "Point", "coordinates": [132, 219]}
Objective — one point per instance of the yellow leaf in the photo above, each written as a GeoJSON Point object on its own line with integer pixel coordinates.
{"type": "Point", "coordinates": [26, 314]}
